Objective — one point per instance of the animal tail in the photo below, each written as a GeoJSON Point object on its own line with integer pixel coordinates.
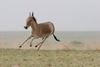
{"type": "Point", "coordinates": [56, 38]}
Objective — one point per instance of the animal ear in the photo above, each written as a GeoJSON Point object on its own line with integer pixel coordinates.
{"type": "Point", "coordinates": [29, 14]}
{"type": "Point", "coordinates": [32, 14]}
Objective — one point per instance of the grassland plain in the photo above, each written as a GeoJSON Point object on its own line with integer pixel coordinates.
{"type": "Point", "coordinates": [49, 58]}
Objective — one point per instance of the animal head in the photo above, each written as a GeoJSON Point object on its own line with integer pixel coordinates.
{"type": "Point", "coordinates": [29, 20]}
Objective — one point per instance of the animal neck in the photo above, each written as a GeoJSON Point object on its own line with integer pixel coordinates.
{"type": "Point", "coordinates": [34, 26]}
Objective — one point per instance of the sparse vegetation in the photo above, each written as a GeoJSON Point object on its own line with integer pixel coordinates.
{"type": "Point", "coordinates": [76, 42]}
{"type": "Point", "coordinates": [49, 58]}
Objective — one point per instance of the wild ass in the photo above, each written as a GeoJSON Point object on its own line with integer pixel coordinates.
{"type": "Point", "coordinates": [42, 30]}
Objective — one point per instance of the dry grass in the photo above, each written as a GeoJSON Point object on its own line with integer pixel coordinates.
{"type": "Point", "coordinates": [48, 58]}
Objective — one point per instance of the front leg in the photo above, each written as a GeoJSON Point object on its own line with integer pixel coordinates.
{"type": "Point", "coordinates": [26, 40]}
{"type": "Point", "coordinates": [31, 42]}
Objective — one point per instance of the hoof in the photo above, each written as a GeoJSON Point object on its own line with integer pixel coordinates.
{"type": "Point", "coordinates": [36, 46]}
{"type": "Point", "coordinates": [30, 45]}
{"type": "Point", "coordinates": [20, 46]}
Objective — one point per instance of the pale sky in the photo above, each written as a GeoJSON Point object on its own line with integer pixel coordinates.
{"type": "Point", "coordinates": [67, 15]}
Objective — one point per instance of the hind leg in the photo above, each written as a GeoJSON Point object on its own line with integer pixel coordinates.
{"type": "Point", "coordinates": [41, 43]}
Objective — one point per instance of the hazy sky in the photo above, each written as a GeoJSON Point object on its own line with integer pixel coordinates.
{"type": "Point", "coordinates": [67, 15]}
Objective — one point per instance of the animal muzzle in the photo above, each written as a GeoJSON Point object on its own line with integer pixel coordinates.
{"type": "Point", "coordinates": [25, 27]}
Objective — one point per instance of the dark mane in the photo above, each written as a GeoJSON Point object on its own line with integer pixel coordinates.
{"type": "Point", "coordinates": [34, 19]}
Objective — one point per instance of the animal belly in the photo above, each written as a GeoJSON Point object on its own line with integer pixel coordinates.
{"type": "Point", "coordinates": [45, 33]}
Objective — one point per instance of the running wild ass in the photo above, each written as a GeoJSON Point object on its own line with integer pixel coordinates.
{"type": "Point", "coordinates": [42, 30]}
